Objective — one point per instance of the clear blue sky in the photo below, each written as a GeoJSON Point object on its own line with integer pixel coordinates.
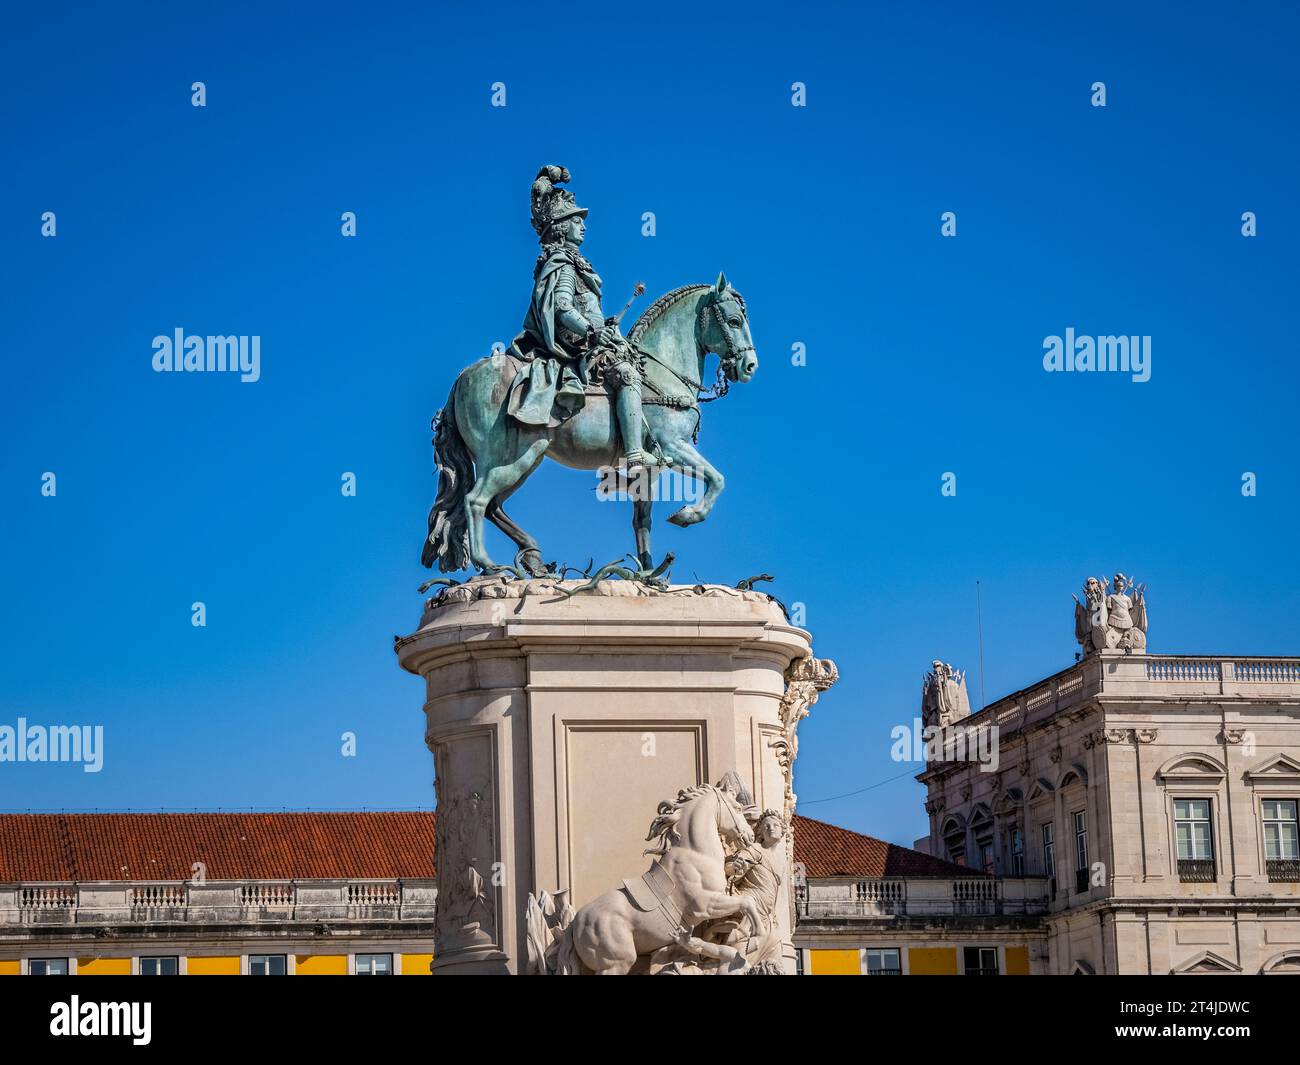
{"type": "Point", "coordinates": [924, 354]}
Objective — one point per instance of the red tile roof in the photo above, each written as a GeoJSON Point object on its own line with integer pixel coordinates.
{"type": "Point", "coordinates": [232, 846]}
{"type": "Point", "coordinates": [309, 846]}
{"type": "Point", "coordinates": [827, 850]}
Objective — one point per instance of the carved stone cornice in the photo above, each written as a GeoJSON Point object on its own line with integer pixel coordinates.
{"type": "Point", "coordinates": [1102, 736]}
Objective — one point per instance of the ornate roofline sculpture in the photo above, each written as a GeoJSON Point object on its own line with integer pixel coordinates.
{"type": "Point", "coordinates": [943, 696]}
{"type": "Point", "coordinates": [1114, 620]}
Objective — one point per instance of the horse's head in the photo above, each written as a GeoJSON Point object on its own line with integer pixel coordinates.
{"type": "Point", "coordinates": [723, 328]}
{"type": "Point", "coordinates": [732, 824]}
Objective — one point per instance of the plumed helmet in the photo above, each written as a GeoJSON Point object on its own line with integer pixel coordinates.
{"type": "Point", "coordinates": [551, 204]}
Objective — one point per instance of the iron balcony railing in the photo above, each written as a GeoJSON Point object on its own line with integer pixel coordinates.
{"type": "Point", "coordinates": [1196, 870]}
{"type": "Point", "coordinates": [1283, 870]}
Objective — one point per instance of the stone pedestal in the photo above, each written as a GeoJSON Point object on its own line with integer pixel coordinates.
{"type": "Point", "coordinates": [558, 724]}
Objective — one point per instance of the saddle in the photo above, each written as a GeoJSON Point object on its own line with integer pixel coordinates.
{"type": "Point", "coordinates": [652, 892]}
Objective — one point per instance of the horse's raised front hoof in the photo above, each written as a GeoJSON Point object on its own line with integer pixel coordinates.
{"type": "Point", "coordinates": [686, 516]}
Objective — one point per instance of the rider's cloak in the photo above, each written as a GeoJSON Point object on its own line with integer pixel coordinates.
{"type": "Point", "coordinates": [549, 388]}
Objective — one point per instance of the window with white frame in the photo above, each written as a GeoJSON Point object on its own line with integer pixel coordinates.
{"type": "Point", "coordinates": [1049, 849]}
{"type": "Point", "coordinates": [159, 966]}
{"type": "Point", "coordinates": [267, 965]}
{"type": "Point", "coordinates": [1192, 830]}
{"type": "Point", "coordinates": [47, 967]}
{"type": "Point", "coordinates": [374, 965]}
{"type": "Point", "coordinates": [1281, 830]}
{"type": "Point", "coordinates": [882, 962]}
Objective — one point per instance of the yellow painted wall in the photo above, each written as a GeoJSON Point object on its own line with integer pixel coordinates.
{"type": "Point", "coordinates": [10, 968]}
{"type": "Point", "coordinates": [321, 965]}
{"type": "Point", "coordinates": [416, 964]}
{"type": "Point", "coordinates": [1017, 961]}
{"type": "Point", "coordinates": [932, 961]}
{"type": "Point", "coordinates": [834, 963]}
{"type": "Point", "coordinates": [213, 967]}
{"type": "Point", "coordinates": [103, 966]}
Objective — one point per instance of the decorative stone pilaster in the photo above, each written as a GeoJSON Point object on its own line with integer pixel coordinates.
{"type": "Point", "coordinates": [805, 681]}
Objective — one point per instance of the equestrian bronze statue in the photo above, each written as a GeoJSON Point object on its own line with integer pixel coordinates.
{"type": "Point", "coordinates": [574, 388]}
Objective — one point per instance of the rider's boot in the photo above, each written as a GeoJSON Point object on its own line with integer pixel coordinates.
{"type": "Point", "coordinates": [631, 427]}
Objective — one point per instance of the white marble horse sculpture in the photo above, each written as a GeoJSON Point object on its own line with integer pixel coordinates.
{"type": "Point", "coordinates": [685, 887]}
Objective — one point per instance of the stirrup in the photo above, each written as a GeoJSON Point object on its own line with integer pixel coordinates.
{"type": "Point", "coordinates": [638, 457]}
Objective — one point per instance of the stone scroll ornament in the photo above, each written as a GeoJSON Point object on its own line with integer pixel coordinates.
{"type": "Point", "coordinates": [1114, 620]}
{"type": "Point", "coordinates": [706, 906]}
{"type": "Point", "coordinates": [804, 682]}
{"type": "Point", "coordinates": [572, 387]}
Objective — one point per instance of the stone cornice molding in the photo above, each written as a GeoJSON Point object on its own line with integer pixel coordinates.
{"type": "Point", "coordinates": [492, 618]}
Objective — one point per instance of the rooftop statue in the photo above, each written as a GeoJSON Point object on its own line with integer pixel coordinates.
{"type": "Point", "coordinates": [943, 695]}
{"type": "Point", "coordinates": [1111, 621]}
{"type": "Point", "coordinates": [573, 387]}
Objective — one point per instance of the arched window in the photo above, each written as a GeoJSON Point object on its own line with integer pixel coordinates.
{"type": "Point", "coordinates": [954, 840]}
{"type": "Point", "coordinates": [1286, 963]}
{"type": "Point", "coordinates": [981, 827]}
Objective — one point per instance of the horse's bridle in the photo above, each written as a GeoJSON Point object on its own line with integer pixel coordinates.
{"type": "Point", "coordinates": [715, 305]}
{"type": "Point", "coordinates": [727, 359]}
{"type": "Point", "coordinates": [737, 816]}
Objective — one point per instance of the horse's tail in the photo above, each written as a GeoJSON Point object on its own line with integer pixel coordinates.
{"type": "Point", "coordinates": [448, 539]}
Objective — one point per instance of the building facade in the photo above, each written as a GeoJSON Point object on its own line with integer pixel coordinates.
{"type": "Point", "coordinates": [354, 893]}
{"type": "Point", "coordinates": [870, 908]}
{"type": "Point", "coordinates": [216, 894]}
{"type": "Point", "coordinates": [1140, 816]}
{"type": "Point", "coordinates": [1153, 799]}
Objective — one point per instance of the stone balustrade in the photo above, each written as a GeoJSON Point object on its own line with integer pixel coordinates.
{"type": "Point", "coordinates": [921, 897]}
{"type": "Point", "coordinates": [213, 902]}
{"type": "Point", "coordinates": [1135, 675]}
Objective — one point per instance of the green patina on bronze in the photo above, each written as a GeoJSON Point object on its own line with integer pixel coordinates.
{"type": "Point", "coordinates": [573, 388]}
